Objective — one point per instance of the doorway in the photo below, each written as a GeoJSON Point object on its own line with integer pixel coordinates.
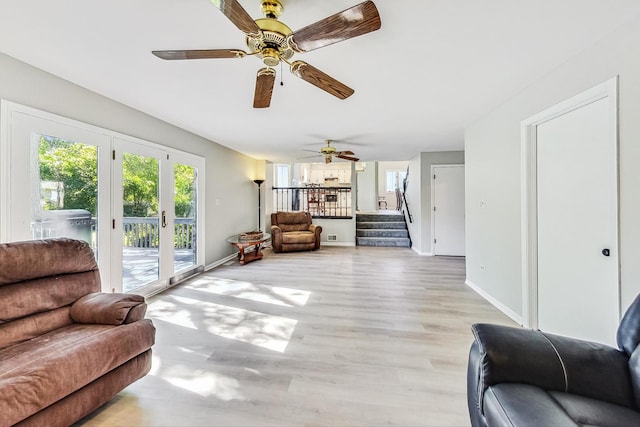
{"type": "Point", "coordinates": [447, 199]}
{"type": "Point", "coordinates": [570, 224]}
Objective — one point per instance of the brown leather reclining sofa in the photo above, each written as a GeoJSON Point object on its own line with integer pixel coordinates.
{"type": "Point", "coordinates": [65, 347]}
{"type": "Point", "coordinates": [293, 231]}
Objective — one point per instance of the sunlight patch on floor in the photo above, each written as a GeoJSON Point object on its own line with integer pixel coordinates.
{"type": "Point", "coordinates": [260, 329]}
{"type": "Point", "coordinates": [253, 292]}
{"type": "Point", "coordinates": [204, 383]}
{"type": "Point", "coordinates": [168, 311]}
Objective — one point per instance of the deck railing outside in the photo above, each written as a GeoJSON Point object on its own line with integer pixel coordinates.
{"type": "Point", "coordinates": [319, 201]}
{"type": "Point", "coordinates": [145, 232]}
{"type": "Point", "coordinates": [138, 232]}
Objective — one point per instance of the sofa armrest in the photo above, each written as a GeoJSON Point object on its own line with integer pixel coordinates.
{"type": "Point", "coordinates": [316, 229]}
{"type": "Point", "coordinates": [108, 309]}
{"type": "Point", "coordinates": [551, 362]}
{"type": "Point", "coordinates": [276, 238]}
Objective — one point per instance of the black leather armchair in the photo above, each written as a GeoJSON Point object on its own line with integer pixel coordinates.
{"type": "Point", "coordinates": [522, 377]}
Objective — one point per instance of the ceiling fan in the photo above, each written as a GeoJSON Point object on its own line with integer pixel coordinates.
{"type": "Point", "coordinates": [272, 41]}
{"type": "Point", "coordinates": [329, 152]}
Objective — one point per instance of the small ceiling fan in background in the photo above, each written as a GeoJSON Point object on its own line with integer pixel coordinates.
{"type": "Point", "coordinates": [272, 41]}
{"type": "Point", "coordinates": [329, 152]}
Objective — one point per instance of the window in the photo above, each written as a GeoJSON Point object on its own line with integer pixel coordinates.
{"type": "Point", "coordinates": [282, 175]}
{"type": "Point", "coordinates": [394, 180]}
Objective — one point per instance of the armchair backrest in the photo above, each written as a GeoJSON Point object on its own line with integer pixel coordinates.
{"type": "Point", "coordinates": [291, 221]}
{"type": "Point", "coordinates": [628, 336]}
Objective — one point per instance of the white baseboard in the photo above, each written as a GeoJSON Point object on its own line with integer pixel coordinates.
{"type": "Point", "coordinates": [220, 262]}
{"type": "Point", "coordinates": [337, 244]}
{"type": "Point", "coordinates": [497, 304]}
{"type": "Point", "coordinates": [421, 253]}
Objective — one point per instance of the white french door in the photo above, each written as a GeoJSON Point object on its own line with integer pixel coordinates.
{"type": "Point", "coordinates": [40, 152]}
{"type": "Point", "coordinates": [138, 204]}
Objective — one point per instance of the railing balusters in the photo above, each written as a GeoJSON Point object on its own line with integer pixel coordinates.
{"type": "Point", "coordinates": [145, 232]}
{"type": "Point", "coordinates": [321, 202]}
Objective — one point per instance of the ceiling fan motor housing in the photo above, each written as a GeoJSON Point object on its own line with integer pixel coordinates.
{"type": "Point", "coordinates": [272, 44]}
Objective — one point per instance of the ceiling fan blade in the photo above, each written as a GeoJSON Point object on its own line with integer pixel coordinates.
{"type": "Point", "coordinates": [344, 153]}
{"type": "Point", "coordinates": [264, 87]}
{"type": "Point", "coordinates": [236, 14]}
{"type": "Point", "coordinates": [199, 54]}
{"type": "Point", "coordinates": [353, 159]}
{"type": "Point", "coordinates": [313, 151]}
{"type": "Point", "coordinates": [308, 157]}
{"type": "Point", "coordinates": [317, 78]}
{"type": "Point", "coordinates": [355, 21]}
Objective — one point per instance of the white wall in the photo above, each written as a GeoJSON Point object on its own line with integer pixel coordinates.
{"type": "Point", "coordinates": [366, 184]}
{"type": "Point", "coordinates": [492, 147]}
{"type": "Point", "coordinates": [343, 229]}
{"type": "Point", "coordinates": [231, 196]}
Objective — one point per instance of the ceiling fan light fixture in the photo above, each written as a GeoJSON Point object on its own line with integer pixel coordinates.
{"type": "Point", "coordinates": [270, 57]}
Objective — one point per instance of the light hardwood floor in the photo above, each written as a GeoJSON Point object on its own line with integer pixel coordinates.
{"type": "Point", "coordinates": [360, 336]}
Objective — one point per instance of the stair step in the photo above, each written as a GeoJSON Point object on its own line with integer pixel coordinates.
{"type": "Point", "coordinates": [382, 225]}
{"type": "Point", "coordinates": [383, 242]}
{"type": "Point", "coordinates": [377, 232]}
{"type": "Point", "coordinates": [379, 218]}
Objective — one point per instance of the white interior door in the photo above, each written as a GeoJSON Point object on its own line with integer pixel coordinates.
{"type": "Point", "coordinates": [448, 209]}
{"type": "Point", "coordinates": [577, 250]}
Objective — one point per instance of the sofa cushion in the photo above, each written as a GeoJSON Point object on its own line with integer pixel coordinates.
{"type": "Point", "coordinates": [105, 309]}
{"type": "Point", "coordinates": [22, 299]}
{"type": "Point", "coordinates": [44, 258]}
{"type": "Point", "coordinates": [36, 373]}
{"type": "Point", "coordinates": [293, 221]}
{"type": "Point", "coordinates": [514, 404]}
{"type": "Point", "coordinates": [593, 412]}
{"type": "Point", "coordinates": [29, 327]}
{"type": "Point", "coordinates": [295, 237]}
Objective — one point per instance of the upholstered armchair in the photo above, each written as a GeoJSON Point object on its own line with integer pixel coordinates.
{"type": "Point", "coordinates": [523, 377]}
{"type": "Point", "coordinates": [293, 231]}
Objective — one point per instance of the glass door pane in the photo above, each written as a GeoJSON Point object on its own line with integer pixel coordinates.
{"type": "Point", "coordinates": [185, 219]}
{"type": "Point", "coordinates": [64, 189]}
{"type": "Point", "coordinates": [141, 221]}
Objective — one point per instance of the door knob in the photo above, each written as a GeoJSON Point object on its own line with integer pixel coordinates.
{"type": "Point", "coordinates": [606, 252]}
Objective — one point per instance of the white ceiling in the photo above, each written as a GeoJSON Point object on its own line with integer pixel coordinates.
{"type": "Point", "coordinates": [433, 68]}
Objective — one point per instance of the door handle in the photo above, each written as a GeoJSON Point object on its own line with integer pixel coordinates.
{"type": "Point", "coordinates": [164, 219]}
{"type": "Point", "coordinates": [606, 252]}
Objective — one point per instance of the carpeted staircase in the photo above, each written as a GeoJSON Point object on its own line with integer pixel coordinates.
{"type": "Point", "coordinates": [382, 229]}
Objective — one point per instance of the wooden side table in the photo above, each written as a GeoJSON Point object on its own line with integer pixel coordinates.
{"type": "Point", "coordinates": [242, 244]}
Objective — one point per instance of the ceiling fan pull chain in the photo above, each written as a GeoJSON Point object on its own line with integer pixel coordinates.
{"type": "Point", "coordinates": [281, 73]}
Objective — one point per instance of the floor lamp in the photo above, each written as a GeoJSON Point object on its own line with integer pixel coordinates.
{"type": "Point", "coordinates": [259, 182]}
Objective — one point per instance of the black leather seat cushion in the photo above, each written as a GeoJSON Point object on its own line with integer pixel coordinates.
{"type": "Point", "coordinates": [513, 404]}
